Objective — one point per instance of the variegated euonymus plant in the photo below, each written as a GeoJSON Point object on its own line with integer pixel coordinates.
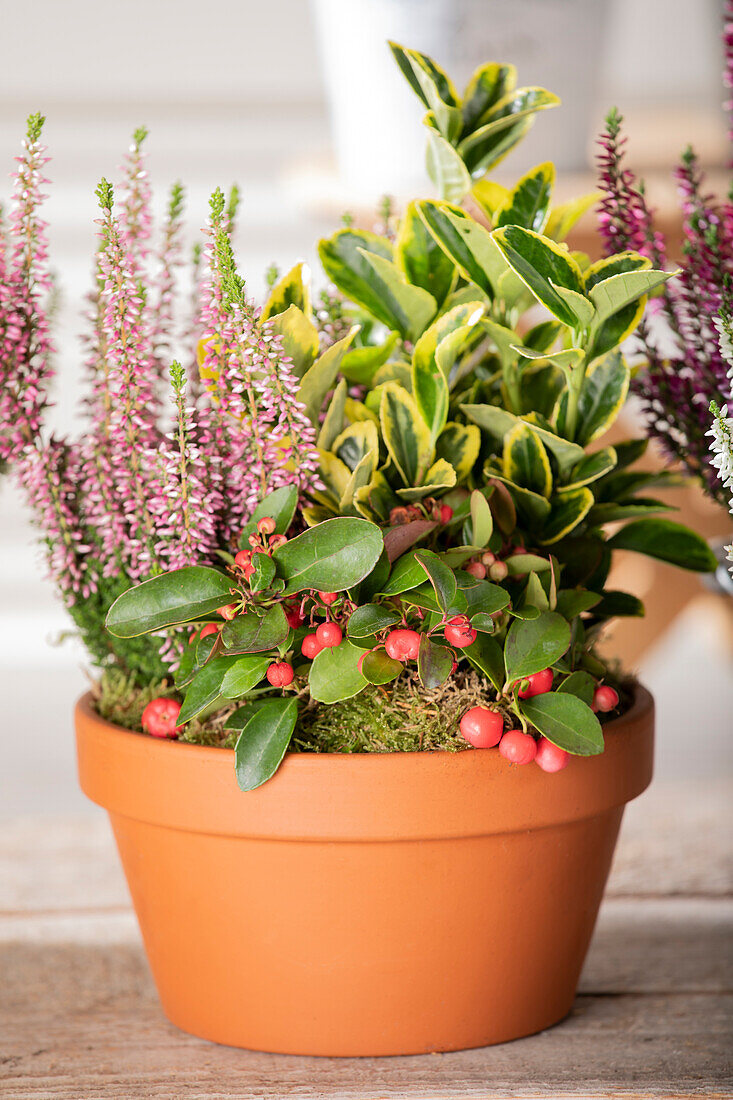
{"type": "Point", "coordinates": [465, 486]}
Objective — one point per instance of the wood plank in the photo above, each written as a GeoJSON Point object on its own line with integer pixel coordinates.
{"type": "Point", "coordinates": [81, 1020]}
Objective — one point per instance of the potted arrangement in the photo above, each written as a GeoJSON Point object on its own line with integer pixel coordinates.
{"type": "Point", "coordinates": [364, 570]}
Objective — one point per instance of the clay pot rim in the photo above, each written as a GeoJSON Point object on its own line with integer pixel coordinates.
{"type": "Point", "coordinates": [642, 704]}
{"type": "Point", "coordinates": [358, 796]}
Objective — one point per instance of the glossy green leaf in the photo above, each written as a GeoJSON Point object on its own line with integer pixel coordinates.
{"type": "Point", "coordinates": [415, 65]}
{"type": "Point", "coordinates": [614, 604]}
{"type": "Point", "coordinates": [420, 257]}
{"type": "Point", "coordinates": [667, 541]}
{"type": "Point", "coordinates": [263, 742]}
{"type": "Point", "coordinates": [378, 668]}
{"type": "Point", "coordinates": [458, 321]}
{"type": "Point", "coordinates": [360, 365]}
{"type": "Point", "coordinates": [542, 266]}
{"type": "Point", "coordinates": [333, 421]}
{"type": "Point", "coordinates": [568, 510]}
{"type": "Point", "coordinates": [605, 388]}
{"type": "Point", "coordinates": [612, 294]}
{"type": "Point", "coordinates": [264, 572]}
{"type": "Point", "coordinates": [243, 675]}
{"type": "Point", "coordinates": [590, 469]}
{"type": "Point", "coordinates": [482, 522]}
{"type": "Point", "coordinates": [430, 390]}
{"type": "Point", "coordinates": [370, 619]}
{"type": "Point", "coordinates": [407, 573]}
{"type": "Point", "coordinates": [580, 684]}
{"type": "Point", "coordinates": [405, 433]}
{"type": "Point", "coordinates": [528, 203]}
{"type": "Point", "coordinates": [205, 688]}
{"type": "Point", "coordinates": [525, 460]}
{"type": "Point", "coordinates": [499, 421]}
{"type": "Point", "coordinates": [485, 598]}
{"type": "Point", "coordinates": [441, 577]}
{"type": "Point", "coordinates": [535, 644]}
{"type": "Point", "coordinates": [180, 596]}
{"type": "Point", "coordinates": [486, 656]}
{"type": "Point", "coordinates": [299, 338]}
{"type": "Point", "coordinates": [331, 557]}
{"type": "Point", "coordinates": [254, 632]}
{"type": "Point", "coordinates": [532, 507]}
{"type": "Point", "coordinates": [334, 674]}
{"type": "Point", "coordinates": [294, 289]}
{"type": "Point", "coordinates": [356, 441]}
{"type": "Point", "coordinates": [608, 512]}
{"type": "Point", "coordinates": [565, 720]}
{"type": "Point", "coordinates": [342, 256]}
{"type": "Point", "coordinates": [572, 601]}
{"type": "Point", "coordinates": [520, 563]}
{"type": "Point", "coordinates": [434, 663]}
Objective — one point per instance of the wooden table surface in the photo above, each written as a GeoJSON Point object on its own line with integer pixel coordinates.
{"type": "Point", "coordinates": [79, 1016]}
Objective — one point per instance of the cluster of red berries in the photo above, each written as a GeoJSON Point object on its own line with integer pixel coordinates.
{"type": "Point", "coordinates": [408, 513]}
{"type": "Point", "coordinates": [487, 565]}
{"type": "Point", "coordinates": [264, 542]}
{"type": "Point", "coordinates": [483, 727]}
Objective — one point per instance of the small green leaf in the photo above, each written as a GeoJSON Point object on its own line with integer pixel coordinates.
{"type": "Point", "coordinates": [360, 365]}
{"type": "Point", "coordinates": [568, 510]}
{"type": "Point", "coordinates": [566, 721]}
{"type": "Point", "coordinates": [243, 675]}
{"type": "Point", "coordinates": [345, 265]}
{"type": "Point", "coordinates": [407, 573]}
{"type": "Point", "coordinates": [420, 257]}
{"type": "Point", "coordinates": [486, 656]}
{"type": "Point", "coordinates": [205, 688]}
{"type": "Point", "coordinates": [467, 243]}
{"type": "Point", "coordinates": [264, 572]}
{"type": "Point", "coordinates": [434, 663]}
{"type": "Point", "coordinates": [667, 541]}
{"type": "Point", "coordinates": [322, 377]}
{"type": "Point", "coordinates": [605, 388]}
{"type": "Point", "coordinates": [446, 168]}
{"type": "Point", "coordinates": [615, 604]}
{"type": "Point", "coordinates": [334, 674]}
{"type": "Point", "coordinates": [430, 390]}
{"type": "Point", "coordinates": [608, 512]}
{"type": "Point", "coordinates": [263, 742]}
{"type": "Point", "coordinates": [525, 460]}
{"type": "Point", "coordinates": [519, 564]}
{"type": "Point", "coordinates": [581, 684]}
{"type": "Point", "coordinates": [378, 668]}
{"type": "Point", "coordinates": [482, 522]}
{"type": "Point", "coordinates": [441, 577]}
{"type": "Point", "coordinates": [590, 469]}
{"type": "Point", "coordinates": [502, 126]}
{"type": "Point", "coordinates": [255, 633]}
{"type": "Point", "coordinates": [459, 444]}
{"type": "Point", "coordinates": [180, 596]}
{"type": "Point", "coordinates": [485, 598]}
{"type": "Point", "coordinates": [411, 307]}
{"type": "Point", "coordinates": [279, 505]}
{"type": "Point", "coordinates": [571, 601]}
{"type": "Point", "coordinates": [488, 84]}
{"type": "Point", "coordinates": [534, 645]}
{"type": "Point", "coordinates": [299, 338]}
{"type": "Point", "coordinates": [294, 289]}
{"type": "Point", "coordinates": [370, 619]}
{"type": "Point", "coordinates": [405, 434]}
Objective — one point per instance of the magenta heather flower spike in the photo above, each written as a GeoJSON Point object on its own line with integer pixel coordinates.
{"type": "Point", "coordinates": [25, 345]}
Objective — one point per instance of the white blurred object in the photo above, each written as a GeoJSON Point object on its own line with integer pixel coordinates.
{"type": "Point", "coordinates": [378, 139]}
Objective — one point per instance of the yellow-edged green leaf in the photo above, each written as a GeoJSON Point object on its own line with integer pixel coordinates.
{"type": "Point", "coordinates": [533, 507]}
{"type": "Point", "coordinates": [590, 468]}
{"type": "Point", "coordinates": [525, 461]}
{"type": "Point", "coordinates": [294, 289]}
{"type": "Point", "coordinates": [489, 195]}
{"type": "Point", "coordinates": [459, 319]}
{"type": "Point", "coordinates": [356, 441]}
{"type": "Point", "coordinates": [411, 307]}
{"type": "Point", "coordinates": [343, 261]}
{"type": "Point", "coordinates": [299, 336]}
{"type": "Point", "coordinates": [528, 203]}
{"type": "Point", "coordinates": [612, 294]}
{"type": "Point", "coordinates": [412, 62]}
{"type": "Point", "coordinates": [605, 388]}
{"type": "Point", "coordinates": [322, 377]}
{"type": "Point", "coordinates": [479, 149]}
{"type": "Point", "coordinates": [333, 422]}
{"type": "Point", "coordinates": [542, 265]}
{"type": "Point", "coordinates": [487, 86]}
{"type": "Point", "coordinates": [498, 422]}
{"type": "Point", "coordinates": [568, 509]}
{"type": "Point", "coordinates": [564, 216]}
{"type": "Point", "coordinates": [467, 243]}
{"type": "Point", "coordinates": [334, 473]}
{"type": "Point", "coordinates": [445, 168]}
{"type": "Point", "coordinates": [360, 477]}
{"type": "Point", "coordinates": [430, 390]}
{"type": "Point", "coordinates": [420, 257]}
{"type": "Point", "coordinates": [583, 309]}
{"type": "Point", "coordinates": [459, 444]}
{"type": "Point", "coordinates": [440, 476]}
{"type": "Point", "coordinates": [405, 434]}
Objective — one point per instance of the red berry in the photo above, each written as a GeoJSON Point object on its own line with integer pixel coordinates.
{"type": "Point", "coordinates": [266, 525]}
{"type": "Point", "coordinates": [248, 570]}
{"type": "Point", "coordinates": [536, 684]}
{"type": "Point", "coordinates": [402, 645]}
{"type": "Point", "coordinates": [518, 747]}
{"type": "Point", "coordinates": [446, 513]}
{"type": "Point", "coordinates": [476, 569]}
{"type": "Point", "coordinates": [605, 698]}
{"type": "Point", "coordinates": [277, 540]}
{"type": "Point", "coordinates": [210, 628]}
{"type": "Point", "coordinates": [228, 612]}
{"type": "Point", "coordinates": [482, 727]}
{"type": "Point", "coordinates": [488, 558]}
{"type": "Point", "coordinates": [329, 597]}
{"type": "Point", "coordinates": [549, 757]}
{"type": "Point", "coordinates": [498, 571]}
{"type": "Point", "coordinates": [459, 632]}
{"type": "Point", "coordinates": [242, 558]}
{"type": "Point", "coordinates": [310, 646]}
{"type": "Point", "coordinates": [159, 718]}
{"type": "Point", "coordinates": [329, 635]}
{"type": "Point", "coordinates": [280, 674]}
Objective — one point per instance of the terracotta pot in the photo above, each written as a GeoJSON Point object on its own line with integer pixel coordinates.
{"type": "Point", "coordinates": [364, 904]}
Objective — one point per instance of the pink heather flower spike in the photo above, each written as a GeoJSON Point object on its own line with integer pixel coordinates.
{"type": "Point", "coordinates": [170, 258]}
{"type": "Point", "coordinates": [135, 217]}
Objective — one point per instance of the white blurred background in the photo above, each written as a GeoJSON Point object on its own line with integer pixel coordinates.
{"type": "Point", "coordinates": [239, 90]}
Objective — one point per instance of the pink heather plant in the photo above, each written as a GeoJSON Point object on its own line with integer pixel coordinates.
{"type": "Point", "coordinates": [138, 494]}
{"type": "Point", "coordinates": [676, 389]}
